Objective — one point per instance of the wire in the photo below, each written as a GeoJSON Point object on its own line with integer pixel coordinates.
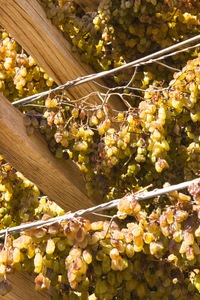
{"type": "Point", "coordinates": [159, 55]}
{"type": "Point", "coordinates": [101, 207]}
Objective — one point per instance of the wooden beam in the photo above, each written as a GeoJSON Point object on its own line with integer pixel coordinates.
{"type": "Point", "coordinates": [23, 288]}
{"type": "Point", "coordinates": [61, 181]}
{"type": "Point", "coordinates": [26, 21]}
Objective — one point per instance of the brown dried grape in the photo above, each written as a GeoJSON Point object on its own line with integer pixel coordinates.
{"type": "Point", "coordinates": [74, 253]}
{"type": "Point", "coordinates": [80, 235]}
{"type": "Point", "coordinates": [128, 205]}
{"type": "Point", "coordinates": [26, 120]}
{"type": "Point", "coordinates": [34, 122]}
{"type": "Point", "coordinates": [77, 267]}
{"type": "Point", "coordinates": [194, 190]}
{"type": "Point", "coordinates": [189, 253]}
{"type": "Point", "coordinates": [29, 130]}
{"type": "Point", "coordinates": [188, 237]}
{"type": "Point", "coordinates": [156, 248]}
{"type": "Point", "coordinates": [54, 229]}
{"type": "Point", "coordinates": [42, 282]}
{"type": "Point", "coordinates": [71, 229]}
{"type": "Point", "coordinates": [5, 287]}
{"type": "Point", "coordinates": [40, 232]}
{"type": "Point", "coordinates": [181, 216]}
{"type": "Point", "coordinates": [22, 242]}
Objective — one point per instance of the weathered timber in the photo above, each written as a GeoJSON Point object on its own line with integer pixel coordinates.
{"type": "Point", "coordinates": [23, 288]}
{"type": "Point", "coordinates": [26, 21]}
{"type": "Point", "coordinates": [60, 180]}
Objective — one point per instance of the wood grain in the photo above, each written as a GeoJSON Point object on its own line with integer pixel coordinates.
{"type": "Point", "coordinates": [26, 21]}
{"type": "Point", "coordinates": [60, 180]}
{"type": "Point", "coordinates": [23, 288]}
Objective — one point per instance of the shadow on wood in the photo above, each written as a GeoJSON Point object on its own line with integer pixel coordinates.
{"type": "Point", "coordinates": [60, 181]}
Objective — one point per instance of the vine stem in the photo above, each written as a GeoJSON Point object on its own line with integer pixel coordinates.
{"type": "Point", "coordinates": [154, 57]}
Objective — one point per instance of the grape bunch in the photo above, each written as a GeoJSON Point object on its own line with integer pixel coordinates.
{"type": "Point", "coordinates": [20, 76]}
{"type": "Point", "coordinates": [118, 152]}
{"type": "Point", "coordinates": [148, 251]}
{"type": "Point", "coordinates": [19, 196]}
{"type": "Point", "coordinates": [140, 27]}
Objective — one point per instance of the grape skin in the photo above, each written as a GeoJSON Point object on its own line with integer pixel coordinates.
{"type": "Point", "coordinates": [166, 241]}
{"type": "Point", "coordinates": [106, 265]}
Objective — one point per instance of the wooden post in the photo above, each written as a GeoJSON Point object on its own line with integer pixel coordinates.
{"type": "Point", "coordinates": [61, 181]}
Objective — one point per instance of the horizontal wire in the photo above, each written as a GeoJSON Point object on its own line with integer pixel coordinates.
{"type": "Point", "coordinates": [159, 55]}
{"type": "Point", "coordinates": [101, 207]}
{"type": "Point", "coordinates": [84, 79]}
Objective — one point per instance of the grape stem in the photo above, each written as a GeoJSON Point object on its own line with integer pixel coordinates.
{"type": "Point", "coordinates": [101, 207]}
{"type": "Point", "coordinates": [154, 57]}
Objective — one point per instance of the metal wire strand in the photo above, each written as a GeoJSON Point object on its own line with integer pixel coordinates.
{"type": "Point", "coordinates": [159, 55]}
{"type": "Point", "coordinates": [101, 207]}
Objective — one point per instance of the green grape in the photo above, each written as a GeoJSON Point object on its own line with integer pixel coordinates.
{"type": "Point", "coordinates": [196, 282]}
{"type": "Point", "coordinates": [156, 254]}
